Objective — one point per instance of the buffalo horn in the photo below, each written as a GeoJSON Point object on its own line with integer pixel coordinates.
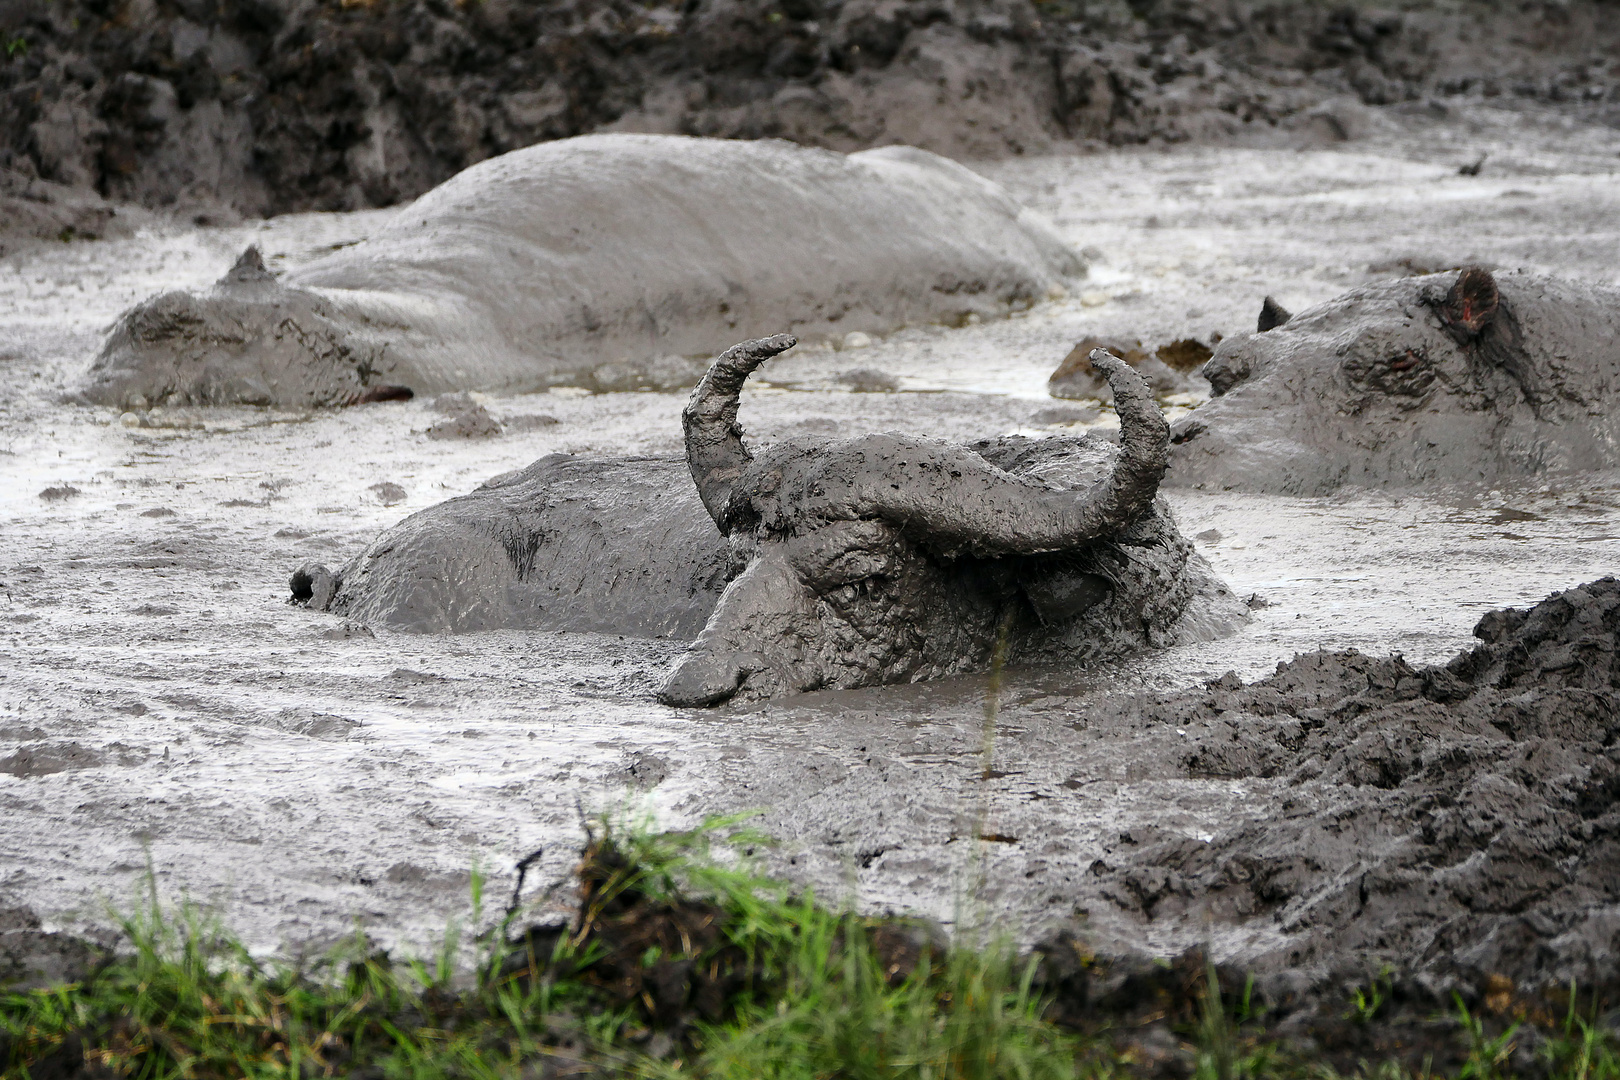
{"type": "Point", "coordinates": [714, 448]}
{"type": "Point", "coordinates": [1012, 515]}
{"type": "Point", "coordinates": [951, 498]}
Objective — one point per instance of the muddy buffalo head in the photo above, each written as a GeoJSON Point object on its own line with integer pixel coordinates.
{"type": "Point", "coordinates": [1460, 377]}
{"type": "Point", "coordinates": [888, 558]}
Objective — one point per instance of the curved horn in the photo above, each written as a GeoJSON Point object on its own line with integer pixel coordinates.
{"type": "Point", "coordinates": [714, 448]}
{"type": "Point", "coordinates": [955, 500]}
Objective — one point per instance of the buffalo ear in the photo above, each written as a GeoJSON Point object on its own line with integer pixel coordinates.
{"type": "Point", "coordinates": [1471, 304]}
{"type": "Point", "coordinates": [1272, 315]}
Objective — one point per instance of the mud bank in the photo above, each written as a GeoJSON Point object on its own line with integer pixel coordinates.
{"type": "Point", "coordinates": [266, 106]}
{"type": "Point", "coordinates": [1451, 822]}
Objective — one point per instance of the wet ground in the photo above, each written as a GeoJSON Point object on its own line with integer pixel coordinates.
{"type": "Point", "coordinates": [159, 698]}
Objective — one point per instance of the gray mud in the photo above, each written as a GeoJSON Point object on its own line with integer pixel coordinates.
{"type": "Point", "coordinates": [1458, 821]}
{"type": "Point", "coordinates": [306, 772]}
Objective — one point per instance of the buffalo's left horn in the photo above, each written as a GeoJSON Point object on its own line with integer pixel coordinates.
{"type": "Point", "coordinates": [714, 448]}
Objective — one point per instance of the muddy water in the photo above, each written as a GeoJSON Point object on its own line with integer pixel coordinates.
{"type": "Point", "coordinates": [159, 699]}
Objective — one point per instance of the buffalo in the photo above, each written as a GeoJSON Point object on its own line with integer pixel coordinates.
{"type": "Point", "coordinates": [813, 564]}
{"type": "Point", "coordinates": [608, 262]}
{"type": "Point", "coordinates": [1464, 377]}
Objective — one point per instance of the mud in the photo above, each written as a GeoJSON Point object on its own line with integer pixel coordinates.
{"type": "Point", "coordinates": [302, 773]}
{"type": "Point", "coordinates": [1455, 822]}
{"type": "Point", "coordinates": [1452, 378]}
{"type": "Point", "coordinates": [267, 106]}
{"type": "Point", "coordinates": [610, 262]}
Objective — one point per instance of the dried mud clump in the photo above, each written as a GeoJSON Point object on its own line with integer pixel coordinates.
{"type": "Point", "coordinates": [1457, 823]}
{"type": "Point", "coordinates": [464, 418]}
{"type": "Point", "coordinates": [1169, 369]}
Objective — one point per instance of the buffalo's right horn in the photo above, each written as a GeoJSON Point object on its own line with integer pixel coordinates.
{"type": "Point", "coordinates": [714, 448]}
{"type": "Point", "coordinates": [1012, 515]}
{"type": "Point", "coordinates": [955, 500]}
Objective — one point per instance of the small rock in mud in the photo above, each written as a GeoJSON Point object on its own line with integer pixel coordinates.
{"type": "Point", "coordinates": [48, 758]}
{"type": "Point", "coordinates": [158, 512]}
{"type": "Point", "coordinates": [1064, 416]}
{"type": "Point", "coordinates": [869, 380]}
{"type": "Point", "coordinates": [346, 632]}
{"type": "Point", "coordinates": [313, 586]}
{"type": "Point", "coordinates": [646, 770]}
{"type": "Point", "coordinates": [1075, 378]}
{"type": "Point", "coordinates": [388, 493]}
{"type": "Point", "coordinates": [327, 727]}
{"type": "Point", "coordinates": [1187, 354]}
{"type": "Point", "coordinates": [60, 493]}
{"type": "Point", "coordinates": [529, 422]}
{"type": "Point", "coordinates": [1341, 119]}
{"type": "Point", "coordinates": [153, 610]}
{"type": "Point", "coordinates": [464, 419]}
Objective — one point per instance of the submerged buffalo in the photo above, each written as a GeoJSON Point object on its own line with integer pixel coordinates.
{"type": "Point", "coordinates": [1461, 377]}
{"type": "Point", "coordinates": [814, 564]}
{"type": "Point", "coordinates": [608, 262]}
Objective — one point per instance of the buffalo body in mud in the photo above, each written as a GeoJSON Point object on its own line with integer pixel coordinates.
{"type": "Point", "coordinates": [608, 262]}
{"type": "Point", "coordinates": [1462, 377]}
{"type": "Point", "coordinates": [813, 564]}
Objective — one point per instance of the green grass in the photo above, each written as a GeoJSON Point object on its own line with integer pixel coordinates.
{"type": "Point", "coordinates": [766, 983]}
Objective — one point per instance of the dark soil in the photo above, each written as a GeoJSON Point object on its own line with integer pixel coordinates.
{"type": "Point", "coordinates": [1456, 825]}
{"type": "Point", "coordinates": [223, 107]}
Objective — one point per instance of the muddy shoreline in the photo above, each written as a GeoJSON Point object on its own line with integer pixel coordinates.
{"type": "Point", "coordinates": [255, 107]}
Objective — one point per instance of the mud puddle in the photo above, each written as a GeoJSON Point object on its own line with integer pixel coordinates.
{"type": "Point", "coordinates": [157, 695]}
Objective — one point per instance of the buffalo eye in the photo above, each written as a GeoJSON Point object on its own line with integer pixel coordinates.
{"type": "Point", "coordinates": [844, 569]}
{"type": "Point", "coordinates": [1405, 375]}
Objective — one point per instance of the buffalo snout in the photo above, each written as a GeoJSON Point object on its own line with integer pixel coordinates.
{"type": "Point", "coordinates": [703, 679]}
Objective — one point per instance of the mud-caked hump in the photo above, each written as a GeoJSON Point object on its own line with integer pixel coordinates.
{"type": "Point", "coordinates": [609, 262]}
{"type": "Point", "coordinates": [611, 546]}
{"type": "Point", "coordinates": [1466, 377]}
